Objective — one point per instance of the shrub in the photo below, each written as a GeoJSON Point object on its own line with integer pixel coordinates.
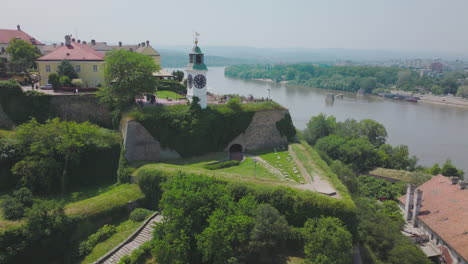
{"type": "Point", "coordinates": [138, 256]}
{"type": "Point", "coordinates": [24, 196]}
{"type": "Point", "coordinates": [101, 235]}
{"type": "Point", "coordinates": [235, 104]}
{"type": "Point", "coordinates": [221, 165]}
{"type": "Point", "coordinates": [65, 81]}
{"type": "Point", "coordinates": [12, 208]}
{"type": "Point", "coordinates": [54, 79]}
{"type": "Point", "coordinates": [286, 127]}
{"type": "Point", "coordinates": [123, 172]}
{"type": "Point", "coordinates": [77, 83]}
{"type": "Point", "coordinates": [139, 214]}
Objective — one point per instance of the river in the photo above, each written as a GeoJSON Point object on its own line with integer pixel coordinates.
{"type": "Point", "coordinates": [432, 132]}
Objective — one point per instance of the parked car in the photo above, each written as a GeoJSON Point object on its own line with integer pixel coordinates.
{"type": "Point", "coordinates": [47, 87]}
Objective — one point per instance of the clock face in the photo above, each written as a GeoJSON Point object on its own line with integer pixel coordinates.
{"type": "Point", "coordinates": [190, 81]}
{"type": "Point", "coordinates": [200, 81]}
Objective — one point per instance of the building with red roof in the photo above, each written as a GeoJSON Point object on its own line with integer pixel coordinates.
{"type": "Point", "coordinates": [6, 35]}
{"type": "Point", "coordinates": [88, 63]}
{"type": "Point", "coordinates": [437, 214]}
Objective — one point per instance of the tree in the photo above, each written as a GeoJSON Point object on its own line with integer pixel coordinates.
{"type": "Point", "coordinates": [23, 54]}
{"type": "Point", "coordinates": [3, 67]}
{"type": "Point", "coordinates": [269, 233]}
{"type": "Point", "coordinates": [434, 170]}
{"type": "Point", "coordinates": [318, 127]}
{"type": "Point", "coordinates": [178, 75]}
{"type": "Point", "coordinates": [462, 91]}
{"type": "Point", "coordinates": [326, 240]}
{"type": "Point", "coordinates": [65, 81]}
{"type": "Point", "coordinates": [54, 79]}
{"type": "Point", "coordinates": [12, 208]}
{"type": "Point", "coordinates": [450, 170]}
{"type": "Point", "coordinates": [127, 75]}
{"type": "Point", "coordinates": [374, 131]}
{"type": "Point", "coordinates": [346, 175]}
{"type": "Point", "coordinates": [437, 90]}
{"type": "Point", "coordinates": [66, 69]}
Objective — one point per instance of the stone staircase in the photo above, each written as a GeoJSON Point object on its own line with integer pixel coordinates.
{"type": "Point", "coordinates": [134, 241]}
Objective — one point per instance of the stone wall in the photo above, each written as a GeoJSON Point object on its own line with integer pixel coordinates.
{"type": "Point", "coordinates": [80, 108]}
{"type": "Point", "coordinates": [262, 132]}
{"type": "Point", "coordinates": [5, 121]}
{"type": "Point", "coordinates": [140, 145]}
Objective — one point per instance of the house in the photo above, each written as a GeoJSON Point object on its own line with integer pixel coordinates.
{"type": "Point", "coordinates": [436, 216]}
{"type": "Point", "coordinates": [6, 35]}
{"type": "Point", "coordinates": [88, 63]}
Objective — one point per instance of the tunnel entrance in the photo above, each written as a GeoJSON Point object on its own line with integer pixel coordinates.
{"type": "Point", "coordinates": [235, 152]}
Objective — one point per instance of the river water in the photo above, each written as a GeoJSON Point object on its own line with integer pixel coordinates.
{"type": "Point", "coordinates": [432, 132]}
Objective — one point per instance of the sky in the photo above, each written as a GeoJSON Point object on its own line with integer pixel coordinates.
{"type": "Point", "coordinates": [439, 25]}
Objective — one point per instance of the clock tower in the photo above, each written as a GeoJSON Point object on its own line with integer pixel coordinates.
{"type": "Point", "coordinates": [196, 75]}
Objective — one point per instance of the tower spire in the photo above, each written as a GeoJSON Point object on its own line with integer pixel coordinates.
{"type": "Point", "coordinates": [196, 35]}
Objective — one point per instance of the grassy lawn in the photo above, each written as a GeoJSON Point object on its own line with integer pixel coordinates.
{"type": "Point", "coordinates": [168, 94]}
{"type": "Point", "coordinates": [124, 230]}
{"type": "Point", "coordinates": [401, 175]}
{"type": "Point", "coordinates": [282, 160]}
{"type": "Point", "coordinates": [117, 196]}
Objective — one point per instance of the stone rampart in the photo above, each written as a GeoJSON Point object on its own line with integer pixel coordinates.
{"type": "Point", "coordinates": [262, 132]}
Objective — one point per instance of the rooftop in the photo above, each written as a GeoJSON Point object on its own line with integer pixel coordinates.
{"type": "Point", "coordinates": [445, 211]}
{"type": "Point", "coordinates": [8, 34]}
{"type": "Point", "coordinates": [73, 52]}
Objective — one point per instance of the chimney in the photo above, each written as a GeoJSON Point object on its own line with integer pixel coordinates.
{"type": "Point", "coordinates": [139, 44]}
{"type": "Point", "coordinates": [73, 39]}
{"type": "Point", "coordinates": [462, 185]}
{"type": "Point", "coordinates": [18, 27]}
{"type": "Point", "coordinates": [79, 41]}
{"type": "Point", "coordinates": [417, 206]}
{"type": "Point", "coordinates": [147, 43]}
{"type": "Point", "coordinates": [454, 180]}
{"type": "Point", "coordinates": [409, 200]}
{"type": "Point", "coordinates": [67, 40]}
{"type": "Point", "coordinates": [120, 43]}
{"type": "Point", "coordinates": [143, 44]}
{"type": "Point", "coordinates": [61, 44]}
{"type": "Point", "coordinates": [84, 42]}
{"type": "Point", "coordinates": [93, 42]}
{"type": "Point", "coordinates": [55, 45]}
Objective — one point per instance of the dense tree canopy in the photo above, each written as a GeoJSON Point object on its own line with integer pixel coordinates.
{"type": "Point", "coordinates": [127, 75]}
{"type": "Point", "coordinates": [23, 55]}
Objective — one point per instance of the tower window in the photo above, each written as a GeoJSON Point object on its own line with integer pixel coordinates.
{"type": "Point", "coordinates": [191, 58]}
{"type": "Point", "coordinates": [78, 68]}
{"type": "Point", "coordinates": [198, 59]}
{"type": "Point", "coordinates": [47, 68]}
{"type": "Point", "coordinates": [94, 68]}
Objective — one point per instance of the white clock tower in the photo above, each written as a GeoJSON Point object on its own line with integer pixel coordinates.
{"type": "Point", "coordinates": [196, 75]}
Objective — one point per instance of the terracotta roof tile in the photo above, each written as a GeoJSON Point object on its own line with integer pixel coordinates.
{"type": "Point", "coordinates": [75, 51]}
{"type": "Point", "coordinates": [445, 211]}
{"type": "Point", "coordinates": [8, 34]}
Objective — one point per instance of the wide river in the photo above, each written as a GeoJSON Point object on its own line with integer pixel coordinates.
{"type": "Point", "coordinates": [432, 132]}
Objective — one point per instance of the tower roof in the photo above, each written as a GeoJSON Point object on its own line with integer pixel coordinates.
{"type": "Point", "coordinates": [196, 50]}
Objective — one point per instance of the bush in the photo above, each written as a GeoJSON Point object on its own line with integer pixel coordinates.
{"type": "Point", "coordinates": [173, 86]}
{"type": "Point", "coordinates": [139, 214]}
{"type": "Point", "coordinates": [286, 127]}
{"type": "Point", "coordinates": [138, 256]}
{"type": "Point", "coordinates": [24, 196]}
{"type": "Point", "coordinates": [235, 104]}
{"type": "Point", "coordinates": [65, 81]}
{"type": "Point", "coordinates": [77, 83]}
{"type": "Point", "coordinates": [12, 208]}
{"type": "Point", "coordinates": [54, 79]}
{"type": "Point", "coordinates": [101, 235]}
{"type": "Point", "coordinates": [221, 165]}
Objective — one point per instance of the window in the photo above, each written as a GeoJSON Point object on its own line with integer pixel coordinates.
{"type": "Point", "coordinates": [94, 68]}
{"type": "Point", "coordinates": [191, 58]}
{"type": "Point", "coordinates": [77, 68]}
{"type": "Point", "coordinates": [198, 59]}
{"type": "Point", "coordinates": [47, 68]}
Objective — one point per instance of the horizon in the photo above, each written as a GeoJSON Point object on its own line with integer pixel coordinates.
{"type": "Point", "coordinates": [428, 26]}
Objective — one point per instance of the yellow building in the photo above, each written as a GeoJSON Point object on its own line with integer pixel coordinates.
{"type": "Point", "coordinates": [88, 63]}
{"type": "Point", "coordinates": [143, 48]}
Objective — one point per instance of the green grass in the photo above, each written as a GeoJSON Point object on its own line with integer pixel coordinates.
{"type": "Point", "coordinates": [168, 94]}
{"type": "Point", "coordinates": [282, 160]}
{"type": "Point", "coordinates": [6, 133]}
{"type": "Point", "coordinates": [124, 230]}
{"type": "Point", "coordinates": [314, 163]}
{"type": "Point", "coordinates": [251, 107]}
{"type": "Point", "coordinates": [117, 196]}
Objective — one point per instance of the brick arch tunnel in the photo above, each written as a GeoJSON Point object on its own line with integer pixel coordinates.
{"type": "Point", "coordinates": [236, 152]}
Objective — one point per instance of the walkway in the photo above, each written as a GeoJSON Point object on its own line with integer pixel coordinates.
{"type": "Point", "coordinates": [134, 241]}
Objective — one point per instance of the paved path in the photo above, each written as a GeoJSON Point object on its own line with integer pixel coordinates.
{"type": "Point", "coordinates": [134, 241]}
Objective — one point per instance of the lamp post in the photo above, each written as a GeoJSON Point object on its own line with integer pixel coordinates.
{"type": "Point", "coordinates": [269, 90]}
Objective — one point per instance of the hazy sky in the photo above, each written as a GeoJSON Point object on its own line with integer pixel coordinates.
{"type": "Point", "coordinates": [357, 24]}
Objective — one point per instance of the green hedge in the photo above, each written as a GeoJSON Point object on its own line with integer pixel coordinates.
{"type": "Point", "coordinates": [221, 165]}
{"type": "Point", "coordinates": [296, 205]}
{"type": "Point", "coordinates": [102, 234]}
{"type": "Point", "coordinates": [140, 214]}
{"type": "Point", "coordinates": [139, 255]}
{"type": "Point", "coordinates": [173, 86]}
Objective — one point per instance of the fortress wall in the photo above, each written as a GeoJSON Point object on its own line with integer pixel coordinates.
{"type": "Point", "coordinates": [81, 108]}
{"type": "Point", "coordinates": [140, 145]}
{"type": "Point", "coordinates": [5, 121]}
{"type": "Point", "coordinates": [262, 132]}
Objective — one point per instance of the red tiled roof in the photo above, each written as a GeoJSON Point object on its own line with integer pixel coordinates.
{"type": "Point", "coordinates": [76, 51]}
{"type": "Point", "coordinates": [8, 34]}
{"type": "Point", "coordinates": [445, 211]}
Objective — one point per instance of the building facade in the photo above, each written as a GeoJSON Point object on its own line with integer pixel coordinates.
{"type": "Point", "coordinates": [6, 35]}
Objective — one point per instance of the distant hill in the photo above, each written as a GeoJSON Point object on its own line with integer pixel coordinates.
{"type": "Point", "coordinates": [178, 59]}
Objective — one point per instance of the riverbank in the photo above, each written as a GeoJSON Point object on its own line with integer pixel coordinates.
{"type": "Point", "coordinates": [266, 80]}
{"type": "Point", "coordinates": [435, 99]}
